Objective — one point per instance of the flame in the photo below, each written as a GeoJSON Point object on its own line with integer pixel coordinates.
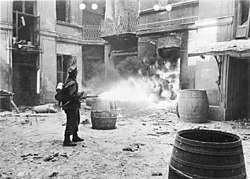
{"type": "Point", "coordinates": [130, 90]}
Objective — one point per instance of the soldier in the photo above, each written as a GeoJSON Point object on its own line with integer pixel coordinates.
{"type": "Point", "coordinates": [71, 104]}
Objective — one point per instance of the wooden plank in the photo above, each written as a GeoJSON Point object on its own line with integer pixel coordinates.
{"type": "Point", "coordinates": [14, 105]}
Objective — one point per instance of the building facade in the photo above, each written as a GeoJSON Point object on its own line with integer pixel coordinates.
{"type": "Point", "coordinates": [40, 40]}
{"type": "Point", "coordinates": [119, 32]}
{"type": "Point", "coordinates": [210, 39]}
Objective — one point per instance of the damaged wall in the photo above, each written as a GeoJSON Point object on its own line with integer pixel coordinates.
{"type": "Point", "coordinates": [58, 38]}
{"type": "Point", "coordinates": [168, 29]}
{"type": "Point", "coordinates": [5, 52]}
{"type": "Point", "coordinates": [118, 30]}
{"type": "Point", "coordinates": [5, 63]}
{"type": "Point", "coordinates": [48, 69]}
{"type": "Point", "coordinates": [47, 12]}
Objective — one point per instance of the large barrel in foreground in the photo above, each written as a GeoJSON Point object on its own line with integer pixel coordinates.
{"type": "Point", "coordinates": [103, 114]}
{"type": "Point", "coordinates": [193, 106]}
{"type": "Point", "coordinates": [207, 154]}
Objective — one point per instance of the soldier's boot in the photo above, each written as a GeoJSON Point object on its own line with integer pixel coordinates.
{"type": "Point", "coordinates": [68, 142]}
{"type": "Point", "coordinates": [76, 138]}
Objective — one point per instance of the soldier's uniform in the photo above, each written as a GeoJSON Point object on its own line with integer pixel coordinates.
{"type": "Point", "coordinates": [71, 105]}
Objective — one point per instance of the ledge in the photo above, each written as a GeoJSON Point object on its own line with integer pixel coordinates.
{"type": "Point", "coordinates": [6, 26]}
{"type": "Point", "coordinates": [79, 41]}
{"type": "Point", "coordinates": [114, 54]}
{"type": "Point", "coordinates": [68, 24]}
{"type": "Point", "coordinates": [234, 48]}
{"type": "Point", "coordinates": [214, 22]}
{"type": "Point", "coordinates": [167, 29]}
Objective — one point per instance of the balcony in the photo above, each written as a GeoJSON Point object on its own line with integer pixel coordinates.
{"type": "Point", "coordinates": [92, 32]}
{"type": "Point", "coordinates": [72, 33]}
{"type": "Point", "coordinates": [118, 27]}
{"type": "Point", "coordinates": [26, 29]}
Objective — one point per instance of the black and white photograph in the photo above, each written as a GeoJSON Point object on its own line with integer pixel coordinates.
{"type": "Point", "coordinates": [125, 89]}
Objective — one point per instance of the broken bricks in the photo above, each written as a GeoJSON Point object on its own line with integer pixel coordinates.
{"type": "Point", "coordinates": [55, 156]}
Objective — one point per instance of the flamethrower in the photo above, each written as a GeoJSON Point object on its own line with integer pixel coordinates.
{"type": "Point", "coordinates": [83, 96]}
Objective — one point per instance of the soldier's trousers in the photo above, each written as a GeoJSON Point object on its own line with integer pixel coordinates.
{"type": "Point", "coordinates": [73, 120]}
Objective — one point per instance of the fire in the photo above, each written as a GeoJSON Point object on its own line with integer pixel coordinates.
{"type": "Point", "coordinates": [130, 90]}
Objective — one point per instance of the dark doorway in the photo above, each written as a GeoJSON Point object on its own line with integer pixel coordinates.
{"type": "Point", "coordinates": [25, 78]}
{"type": "Point", "coordinates": [239, 77]}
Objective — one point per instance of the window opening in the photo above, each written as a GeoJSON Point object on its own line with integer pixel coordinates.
{"type": "Point", "coordinates": [25, 23]}
{"type": "Point", "coordinates": [63, 63]}
{"type": "Point", "coordinates": [242, 29]}
{"type": "Point", "coordinates": [29, 7]}
{"type": "Point", "coordinates": [244, 6]}
{"type": "Point", "coordinates": [24, 6]}
{"type": "Point", "coordinates": [18, 6]}
{"type": "Point", "coordinates": [61, 10]}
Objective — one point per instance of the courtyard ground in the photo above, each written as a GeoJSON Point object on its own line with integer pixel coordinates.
{"type": "Point", "coordinates": [140, 146]}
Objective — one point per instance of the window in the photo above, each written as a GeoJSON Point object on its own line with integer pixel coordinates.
{"type": "Point", "coordinates": [242, 30]}
{"type": "Point", "coordinates": [26, 25]}
{"type": "Point", "coordinates": [63, 10]}
{"type": "Point", "coordinates": [244, 6]}
{"type": "Point", "coordinates": [24, 6]}
{"type": "Point", "coordinates": [63, 63]}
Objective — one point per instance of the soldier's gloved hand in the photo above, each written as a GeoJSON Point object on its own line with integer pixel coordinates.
{"type": "Point", "coordinates": [81, 95]}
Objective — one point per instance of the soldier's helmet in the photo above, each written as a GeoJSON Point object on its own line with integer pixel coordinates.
{"type": "Point", "coordinates": [72, 70]}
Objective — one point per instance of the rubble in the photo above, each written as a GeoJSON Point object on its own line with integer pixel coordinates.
{"type": "Point", "coordinates": [156, 174]}
{"type": "Point", "coordinates": [140, 147]}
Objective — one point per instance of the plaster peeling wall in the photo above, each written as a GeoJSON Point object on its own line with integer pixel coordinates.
{"type": "Point", "coordinates": [5, 67]}
{"type": "Point", "coordinates": [48, 66]}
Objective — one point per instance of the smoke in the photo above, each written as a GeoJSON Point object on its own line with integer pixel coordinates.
{"type": "Point", "coordinates": [123, 84]}
{"type": "Point", "coordinates": [100, 81]}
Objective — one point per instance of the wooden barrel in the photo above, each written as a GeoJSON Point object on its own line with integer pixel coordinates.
{"type": "Point", "coordinates": [207, 154]}
{"type": "Point", "coordinates": [103, 114]}
{"type": "Point", "coordinates": [193, 106]}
